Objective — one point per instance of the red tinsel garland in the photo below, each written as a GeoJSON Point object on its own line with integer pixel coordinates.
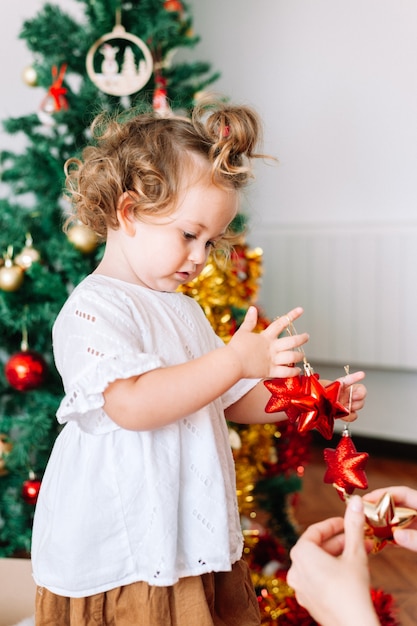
{"type": "Point", "coordinates": [296, 615]}
{"type": "Point", "coordinates": [385, 607]}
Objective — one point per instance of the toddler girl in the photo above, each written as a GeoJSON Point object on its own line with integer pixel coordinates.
{"type": "Point", "coordinates": [137, 521]}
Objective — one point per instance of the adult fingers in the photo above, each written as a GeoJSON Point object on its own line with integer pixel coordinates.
{"type": "Point", "coordinates": [354, 525]}
{"type": "Point", "coordinates": [407, 538]}
{"type": "Point", "coordinates": [323, 531]}
{"type": "Point", "coordinates": [403, 496]}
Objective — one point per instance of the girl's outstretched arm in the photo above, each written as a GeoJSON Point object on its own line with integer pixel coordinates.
{"type": "Point", "coordinates": [250, 409]}
{"type": "Point", "coordinates": [162, 396]}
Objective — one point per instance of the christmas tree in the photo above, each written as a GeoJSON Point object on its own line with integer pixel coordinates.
{"type": "Point", "coordinates": [121, 55]}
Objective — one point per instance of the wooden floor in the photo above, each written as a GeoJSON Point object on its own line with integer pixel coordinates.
{"type": "Point", "coordinates": [393, 569]}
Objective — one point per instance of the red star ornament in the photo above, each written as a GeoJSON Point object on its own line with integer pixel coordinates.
{"type": "Point", "coordinates": [383, 517]}
{"type": "Point", "coordinates": [319, 409]}
{"type": "Point", "coordinates": [283, 391]}
{"type": "Point", "coordinates": [346, 466]}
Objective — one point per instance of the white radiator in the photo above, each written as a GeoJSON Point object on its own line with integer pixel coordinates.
{"type": "Point", "coordinates": [357, 284]}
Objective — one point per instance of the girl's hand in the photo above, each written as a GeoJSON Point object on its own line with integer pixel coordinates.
{"type": "Point", "coordinates": [352, 395]}
{"type": "Point", "coordinates": [264, 354]}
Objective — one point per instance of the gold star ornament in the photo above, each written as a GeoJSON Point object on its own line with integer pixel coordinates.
{"type": "Point", "coordinates": [383, 517]}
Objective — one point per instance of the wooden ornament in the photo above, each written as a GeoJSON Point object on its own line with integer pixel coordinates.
{"type": "Point", "coordinates": [123, 65]}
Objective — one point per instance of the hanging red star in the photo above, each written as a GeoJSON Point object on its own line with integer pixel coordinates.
{"type": "Point", "coordinates": [319, 409]}
{"type": "Point", "coordinates": [383, 517]}
{"type": "Point", "coordinates": [346, 466]}
{"type": "Point", "coordinates": [283, 391]}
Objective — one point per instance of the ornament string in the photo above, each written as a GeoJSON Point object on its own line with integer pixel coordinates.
{"type": "Point", "coordinates": [118, 19]}
{"type": "Point", "coordinates": [291, 330]}
{"type": "Point", "coordinates": [347, 368]}
{"type": "Point", "coordinates": [24, 346]}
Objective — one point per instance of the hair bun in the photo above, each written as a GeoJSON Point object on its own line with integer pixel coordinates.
{"type": "Point", "coordinates": [233, 133]}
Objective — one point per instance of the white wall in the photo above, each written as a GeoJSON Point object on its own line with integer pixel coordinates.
{"type": "Point", "coordinates": [336, 85]}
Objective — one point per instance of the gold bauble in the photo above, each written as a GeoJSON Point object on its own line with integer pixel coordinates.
{"type": "Point", "coordinates": [83, 238]}
{"type": "Point", "coordinates": [27, 255]}
{"type": "Point", "coordinates": [5, 449]}
{"type": "Point", "coordinates": [30, 76]}
{"type": "Point", "coordinates": [11, 276]}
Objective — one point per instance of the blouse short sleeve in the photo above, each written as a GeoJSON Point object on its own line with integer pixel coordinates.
{"type": "Point", "coordinates": [97, 339]}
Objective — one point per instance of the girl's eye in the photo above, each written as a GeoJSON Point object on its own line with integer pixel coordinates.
{"type": "Point", "coordinates": [193, 236]}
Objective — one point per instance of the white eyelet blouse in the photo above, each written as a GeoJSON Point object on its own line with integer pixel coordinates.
{"type": "Point", "coordinates": [119, 506]}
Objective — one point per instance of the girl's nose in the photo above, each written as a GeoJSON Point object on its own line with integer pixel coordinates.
{"type": "Point", "coordinates": [199, 253]}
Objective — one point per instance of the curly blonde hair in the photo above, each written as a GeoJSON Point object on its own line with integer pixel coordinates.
{"type": "Point", "coordinates": [145, 156]}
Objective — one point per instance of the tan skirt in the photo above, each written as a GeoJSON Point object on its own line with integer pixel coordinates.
{"type": "Point", "coordinates": [216, 599]}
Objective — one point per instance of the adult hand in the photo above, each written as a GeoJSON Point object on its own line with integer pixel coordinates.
{"type": "Point", "coordinates": [404, 497]}
{"type": "Point", "coordinates": [329, 570]}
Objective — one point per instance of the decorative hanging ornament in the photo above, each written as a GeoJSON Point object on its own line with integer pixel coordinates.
{"type": "Point", "coordinates": [234, 439]}
{"type": "Point", "coordinates": [123, 64]}
{"type": "Point", "coordinates": [320, 408]}
{"type": "Point", "coordinates": [283, 391]}
{"type": "Point", "coordinates": [27, 369]}
{"type": "Point", "coordinates": [82, 238]}
{"type": "Point", "coordinates": [383, 517]}
{"type": "Point", "coordinates": [28, 254]}
{"type": "Point", "coordinates": [11, 274]}
{"type": "Point", "coordinates": [160, 97]}
{"type": "Point", "coordinates": [173, 6]}
{"type": "Point", "coordinates": [309, 403]}
{"type": "Point", "coordinates": [55, 99]}
{"type": "Point", "coordinates": [346, 466]}
{"type": "Point", "coordinates": [5, 449]}
{"type": "Point", "coordinates": [30, 489]}
{"type": "Point", "coordinates": [30, 76]}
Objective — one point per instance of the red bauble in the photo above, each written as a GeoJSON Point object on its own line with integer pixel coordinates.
{"type": "Point", "coordinates": [173, 5]}
{"type": "Point", "coordinates": [26, 370]}
{"type": "Point", "coordinates": [30, 490]}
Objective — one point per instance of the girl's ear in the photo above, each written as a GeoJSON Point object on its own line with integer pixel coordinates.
{"type": "Point", "coordinates": [125, 215]}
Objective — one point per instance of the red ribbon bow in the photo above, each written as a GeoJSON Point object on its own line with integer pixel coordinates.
{"type": "Point", "coordinates": [56, 90]}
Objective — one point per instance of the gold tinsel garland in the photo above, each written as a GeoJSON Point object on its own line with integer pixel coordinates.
{"type": "Point", "coordinates": [224, 290]}
{"type": "Point", "coordinates": [226, 287]}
